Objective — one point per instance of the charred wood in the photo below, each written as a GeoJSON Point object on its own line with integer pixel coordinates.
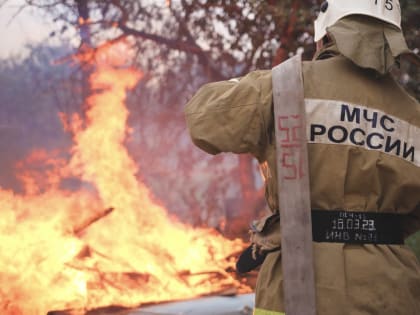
{"type": "Point", "coordinates": [78, 230]}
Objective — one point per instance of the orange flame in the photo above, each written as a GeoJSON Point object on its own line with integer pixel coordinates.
{"type": "Point", "coordinates": [50, 259]}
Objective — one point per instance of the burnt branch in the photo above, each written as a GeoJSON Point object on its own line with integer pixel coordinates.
{"type": "Point", "coordinates": [77, 230]}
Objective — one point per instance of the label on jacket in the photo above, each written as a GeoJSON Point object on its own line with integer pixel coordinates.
{"type": "Point", "coordinates": [336, 122]}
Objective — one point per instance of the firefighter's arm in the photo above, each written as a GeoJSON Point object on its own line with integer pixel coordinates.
{"type": "Point", "coordinates": [265, 238]}
{"type": "Point", "coordinates": [231, 116]}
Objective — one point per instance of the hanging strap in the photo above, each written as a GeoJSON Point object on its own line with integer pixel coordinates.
{"type": "Point", "coordinates": [293, 188]}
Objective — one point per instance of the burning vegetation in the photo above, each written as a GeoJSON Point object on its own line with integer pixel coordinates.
{"type": "Point", "coordinates": [109, 242]}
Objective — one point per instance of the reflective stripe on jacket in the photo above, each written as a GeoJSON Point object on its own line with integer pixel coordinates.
{"type": "Point", "coordinates": [364, 153]}
{"type": "Point", "coordinates": [259, 311]}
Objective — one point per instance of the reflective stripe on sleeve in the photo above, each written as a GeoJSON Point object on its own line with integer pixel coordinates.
{"type": "Point", "coordinates": [260, 311]}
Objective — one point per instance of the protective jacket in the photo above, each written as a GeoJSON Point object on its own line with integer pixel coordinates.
{"type": "Point", "coordinates": [363, 135]}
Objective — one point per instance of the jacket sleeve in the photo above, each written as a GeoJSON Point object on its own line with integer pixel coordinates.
{"type": "Point", "coordinates": [231, 116]}
{"type": "Point", "coordinates": [411, 224]}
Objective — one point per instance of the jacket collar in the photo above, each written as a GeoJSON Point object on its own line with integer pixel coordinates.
{"type": "Point", "coordinates": [368, 43]}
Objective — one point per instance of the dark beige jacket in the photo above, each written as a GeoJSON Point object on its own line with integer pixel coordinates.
{"type": "Point", "coordinates": [375, 168]}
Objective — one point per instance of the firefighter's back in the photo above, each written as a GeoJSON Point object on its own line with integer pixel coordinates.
{"type": "Point", "coordinates": [364, 141]}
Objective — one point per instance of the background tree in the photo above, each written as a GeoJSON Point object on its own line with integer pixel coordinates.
{"type": "Point", "coordinates": [180, 45]}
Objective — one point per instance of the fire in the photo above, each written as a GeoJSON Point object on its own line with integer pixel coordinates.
{"type": "Point", "coordinates": [108, 243]}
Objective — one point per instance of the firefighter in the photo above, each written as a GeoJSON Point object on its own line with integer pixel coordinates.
{"type": "Point", "coordinates": [363, 134]}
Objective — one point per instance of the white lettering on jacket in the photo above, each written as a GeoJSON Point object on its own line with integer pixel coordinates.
{"type": "Point", "coordinates": [336, 122]}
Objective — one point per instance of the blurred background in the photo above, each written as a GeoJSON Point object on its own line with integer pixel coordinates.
{"type": "Point", "coordinates": [178, 46]}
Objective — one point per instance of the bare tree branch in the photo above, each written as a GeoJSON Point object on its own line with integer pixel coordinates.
{"type": "Point", "coordinates": [19, 10]}
{"type": "Point", "coordinates": [180, 45]}
{"type": "Point", "coordinates": [203, 57]}
{"type": "Point", "coordinates": [39, 5]}
{"type": "Point", "coordinates": [3, 3]}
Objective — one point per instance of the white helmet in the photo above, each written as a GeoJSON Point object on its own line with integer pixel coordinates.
{"type": "Point", "coordinates": [333, 10]}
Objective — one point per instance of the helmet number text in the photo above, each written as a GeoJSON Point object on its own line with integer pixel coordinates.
{"type": "Point", "coordinates": [388, 4]}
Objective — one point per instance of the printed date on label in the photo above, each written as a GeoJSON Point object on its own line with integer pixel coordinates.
{"type": "Point", "coordinates": [353, 224]}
